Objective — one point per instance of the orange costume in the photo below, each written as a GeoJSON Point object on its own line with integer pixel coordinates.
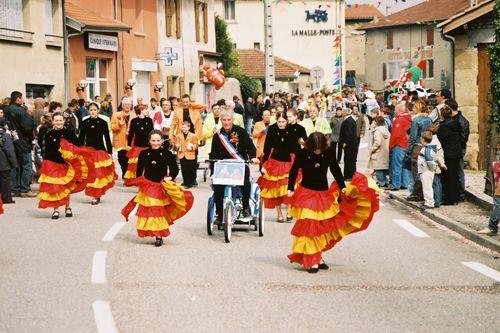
{"type": "Point", "coordinates": [193, 115]}
{"type": "Point", "coordinates": [260, 135]}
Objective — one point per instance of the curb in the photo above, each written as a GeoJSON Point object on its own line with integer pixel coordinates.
{"type": "Point", "coordinates": [459, 228]}
{"type": "Point", "coordinates": [478, 201]}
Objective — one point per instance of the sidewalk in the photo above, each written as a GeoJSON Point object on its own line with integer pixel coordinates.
{"type": "Point", "coordinates": [466, 218]}
{"type": "Point", "coordinates": [474, 189]}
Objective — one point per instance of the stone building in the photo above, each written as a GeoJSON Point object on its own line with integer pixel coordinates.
{"type": "Point", "coordinates": [355, 40]}
{"type": "Point", "coordinates": [472, 30]}
{"type": "Point", "coordinates": [303, 31]}
{"type": "Point", "coordinates": [31, 48]}
{"type": "Point", "coordinates": [401, 40]}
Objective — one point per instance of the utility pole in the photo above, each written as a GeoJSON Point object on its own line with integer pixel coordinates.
{"type": "Point", "coordinates": [269, 49]}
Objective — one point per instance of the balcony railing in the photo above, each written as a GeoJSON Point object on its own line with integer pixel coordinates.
{"type": "Point", "coordinates": [16, 35]}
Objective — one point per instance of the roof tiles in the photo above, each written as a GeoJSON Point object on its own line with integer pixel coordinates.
{"type": "Point", "coordinates": [252, 63]}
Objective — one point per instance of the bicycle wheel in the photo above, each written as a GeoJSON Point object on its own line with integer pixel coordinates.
{"type": "Point", "coordinates": [261, 218]}
{"type": "Point", "coordinates": [228, 221]}
{"type": "Point", "coordinates": [210, 216]}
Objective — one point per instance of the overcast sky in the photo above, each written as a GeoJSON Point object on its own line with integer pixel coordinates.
{"type": "Point", "coordinates": [395, 5]}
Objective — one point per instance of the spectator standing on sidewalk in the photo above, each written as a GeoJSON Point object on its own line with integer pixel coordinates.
{"type": "Point", "coordinates": [441, 97]}
{"type": "Point", "coordinates": [119, 125]}
{"type": "Point", "coordinates": [360, 123]}
{"type": "Point", "coordinates": [449, 136]}
{"type": "Point", "coordinates": [348, 142]}
{"type": "Point", "coordinates": [250, 114]}
{"type": "Point", "coordinates": [379, 151]}
{"type": "Point", "coordinates": [419, 124]}
{"type": "Point", "coordinates": [82, 110]}
{"type": "Point", "coordinates": [8, 161]}
{"type": "Point", "coordinates": [464, 137]}
{"type": "Point", "coordinates": [24, 126]}
{"type": "Point", "coordinates": [492, 228]}
{"type": "Point", "coordinates": [435, 144]}
{"type": "Point", "coordinates": [335, 124]}
{"type": "Point", "coordinates": [238, 108]}
{"type": "Point", "coordinates": [427, 165]}
{"type": "Point", "coordinates": [400, 177]}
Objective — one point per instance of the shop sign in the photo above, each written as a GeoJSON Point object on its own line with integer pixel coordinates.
{"type": "Point", "coordinates": [314, 32]}
{"type": "Point", "coordinates": [102, 42]}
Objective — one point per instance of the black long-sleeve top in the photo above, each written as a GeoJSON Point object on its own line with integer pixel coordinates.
{"type": "Point", "coordinates": [278, 144]}
{"type": "Point", "coordinates": [139, 131]}
{"type": "Point", "coordinates": [296, 132]}
{"type": "Point", "coordinates": [314, 170]}
{"type": "Point", "coordinates": [156, 164]}
{"type": "Point", "coordinates": [94, 133]}
{"type": "Point", "coordinates": [239, 138]}
{"type": "Point", "coordinates": [348, 134]}
{"type": "Point", "coordinates": [53, 140]}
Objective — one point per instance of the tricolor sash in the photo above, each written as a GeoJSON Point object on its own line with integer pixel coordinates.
{"type": "Point", "coordinates": [229, 147]}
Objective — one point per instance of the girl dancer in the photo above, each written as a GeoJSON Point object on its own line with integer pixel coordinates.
{"type": "Point", "coordinates": [277, 161]}
{"type": "Point", "coordinates": [137, 139]}
{"type": "Point", "coordinates": [321, 220]}
{"type": "Point", "coordinates": [64, 170]}
{"type": "Point", "coordinates": [296, 131]}
{"type": "Point", "coordinates": [94, 133]}
{"type": "Point", "coordinates": [161, 201]}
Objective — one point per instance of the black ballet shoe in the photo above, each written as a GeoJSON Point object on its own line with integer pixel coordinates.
{"type": "Point", "coordinates": [289, 218]}
{"type": "Point", "coordinates": [313, 270]}
{"type": "Point", "coordinates": [281, 220]}
{"type": "Point", "coordinates": [95, 201]}
{"type": "Point", "coordinates": [69, 212]}
{"type": "Point", "coordinates": [55, 215]}
{"type": "Point", "coordinates": [323, 266]}
{"type": "Point", "coordinates": [159, 242]}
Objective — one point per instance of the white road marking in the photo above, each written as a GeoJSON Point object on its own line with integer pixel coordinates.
{"type": "Point", "coordinates": [113, 231]}
{"type": "Point", "coordinates": [411, 228]}
{"type": "Point", "coordinates": [483, 269]}
{"type": "Point", "coordinates": [103, 317]}
{"type": "Point", "coordinates": [99, 267]}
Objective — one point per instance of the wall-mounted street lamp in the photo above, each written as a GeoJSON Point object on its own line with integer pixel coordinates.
{"type": "Point", "coordinates": [158, 86]}
{"type": "Point", "coordinates": [81, 85]}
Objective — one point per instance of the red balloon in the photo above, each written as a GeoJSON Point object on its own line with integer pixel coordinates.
{"type": "Point", "coordinates": [215, 76]}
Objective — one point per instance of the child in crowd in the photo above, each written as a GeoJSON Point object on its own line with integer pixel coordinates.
{"type": "Point", "coordinates": [427, 164]}
{"type": "Point", "coordinates": [187, 143]}
{"type": "Point", "coordinates": [436, 146]}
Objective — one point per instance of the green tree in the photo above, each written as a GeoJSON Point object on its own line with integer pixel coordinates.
{"type": "Point", "coordinates": [229, 60]}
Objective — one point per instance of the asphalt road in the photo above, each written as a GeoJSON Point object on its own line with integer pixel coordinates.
{"type": "Point", "coordinates": [396, 276]}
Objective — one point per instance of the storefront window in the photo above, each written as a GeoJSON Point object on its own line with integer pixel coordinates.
{"type": "Point", "coordinates": [97, 77]}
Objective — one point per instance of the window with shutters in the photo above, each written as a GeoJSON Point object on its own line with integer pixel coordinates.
{"type": "Point", "coordinates": [390, 40]}
{"type": "Point", "coordinates": [14, 15]}
{"type": "Point", "coordinates": [256, 45]}
{"type": "Point", "coordinates": [201, 21]}
{"type": "Point", "coordinates": [384, 71]}
{"type": "Point", "coordinates": [428, 72]}
{"type": "Point", "coordinates": [229, 10]}
{"type": "Point", "coordinates": [173, 18]}
{"type": "Point", "coordinates": [430, 35]}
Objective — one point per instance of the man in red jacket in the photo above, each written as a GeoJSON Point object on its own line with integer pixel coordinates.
{"type": "Point", "coordinates": [400, 177]}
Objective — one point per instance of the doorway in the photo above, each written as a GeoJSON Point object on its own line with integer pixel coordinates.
{"type": "Point", "coordinates": [142, 87]}
{"type": "Point", "coordinates": [484, 84]}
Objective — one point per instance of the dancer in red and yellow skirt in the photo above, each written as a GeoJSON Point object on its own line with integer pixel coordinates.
{"type": "Point", "coordinates": [321, 220]}
{"type": "Point", "coordinates": [64, 170]}
{"type": "Point", "coordinates": [161, 201]}
{"type": "Point", "coordinates": [277, 161]}
{"type": "Point", "coordinates": [94, 134]}
{"type": "Point", "coordinates": [137, 139]}
{"type": "Point", "coordinates": [1, 206]}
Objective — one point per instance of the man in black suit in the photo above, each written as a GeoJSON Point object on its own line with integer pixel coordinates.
{"type": "Point", "coordinates": [348, 142]}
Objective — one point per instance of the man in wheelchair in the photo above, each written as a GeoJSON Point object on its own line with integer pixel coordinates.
{"type": "Point", "coordinates": [232, 142]}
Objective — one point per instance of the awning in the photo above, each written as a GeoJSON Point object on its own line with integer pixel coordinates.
{"type": "Point", "coordinates": [83, 20]}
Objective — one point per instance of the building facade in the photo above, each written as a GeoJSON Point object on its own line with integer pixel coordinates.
{"type": "Point", "coordinates": [300, 29]}
{"type": "Point", "coordinates": [355, 41]}
{"type": "Point", "coordinates": [401, 40]}
{"type": "Point", "coordinates": [32, 30]}
{"type": "Point", "coordinates": [186, 42]}
{"type": "Point", "coordinates": [473, 31]}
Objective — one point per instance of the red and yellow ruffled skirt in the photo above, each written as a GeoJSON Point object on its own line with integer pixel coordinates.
{"type": "Point", "coordinates": [274, 183]}
{"type": "Point", "coordinates": [133, 157]}
{"type": "Point", "coordinates": [105, 174]}
{"type": "Point", "coordinates": [59, 180]}
{"type": "Point", "coordinates": [159, 205]}
{"type": "Point", "coordinates": [1, 206]}
{"type": "Point", "coordinates": [322, 222]}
